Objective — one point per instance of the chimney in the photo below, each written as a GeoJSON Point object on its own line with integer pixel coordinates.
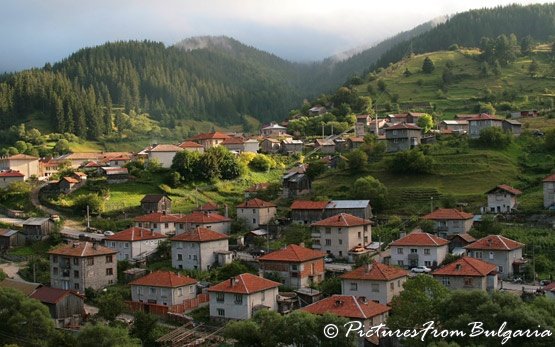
{"type": "Point", "coordinates": [164, 212]}
{"type": "Point", "coordinates": [226, 211]}
{"type": "Point", "coordinates": [338, 303]}
{"type": "Point", "coordinates": [363, 299]}
{"type": "Point", "coordinates": [95, 245]}
{"type": "Point", "coordinates": [368, 267]}
{"type": "Point", "coordinates": [458, 267]}
{"type": "Point", "coordinates": [490, 242]}
{"type": "Point", "coordinates": [301, 244]}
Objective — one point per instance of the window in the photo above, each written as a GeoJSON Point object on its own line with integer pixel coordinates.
{"type": "Point", "coordinates": [109, 259]}
{"type": "Point", "coordinates": [90, 261]}
{"type": "Point", "coordinates": [220, 297]}
{"type": "Point", "coordinates": [354, 286]}
{"type": "Point", "coordinates": [445, 281]}
{"type": "Point", "coordinates": [152, 290]}
{"type": "Point", "coordinates": [500, 269]}
{"type": "Point", "coordinates": [468, 282]}
{"type": "Point", "coordinates": [328, 242]}
{"type": "Point", "coordinates": [166, 225]}
{"type": "Point", "coordinates": [340, 253]}
{"type": "Point", "coordinates": [54, 258]}
{"type": "Point", "coordinates": [398, 283]}
{"type": "Point", "coordinates": [294, 267]}
{"type": "Point", "coordinates": [414, 250]}
{"type": "Point", "coordinates": [399, 251]}
{"type": "Point", "coordinates": [192, 289]}
{"type": "Point", "coordinates": [109, 272]}
{"type": "Point", "coordinates": [75, 273]}
{"type": "Point", "coordinates": [400, 263]}
{"type": "Point", "coordinates": [254, 221]}
{"type": "Point", "coordinates": [359, 234]}
{"type": "Point", "coordinates": [491, 255]}
{"type": "Point", "coordinates": [294, 274]}
{"type": "Point", "coordinates": [328, 230]}
{"type": "Point", "coordinates": [139, 290]}
{"type": "Point", "coordinates": [392, 285]}
{"type": "Point", "coordinates": [427, 263]}
{"type": "Point", "coordinates": [195, 257]}
{"type": "Point", "coordinates": [75, 261]}
{"type": "Point", "coordinates": [478, 254]}
{"type": "Point", "coordinates": [154, 225]}
{"type": "Point", "coordinates": [339, 230]}
{"type": "Point", "coordinates": [55, 271]}
{"type": "Point", "coordinates": [340, 241]}
{"type": "Point", "coordinates": [221, 312]}
{"type": "Point", "coordinates": [180, 257]}
{"type": "Point", "coordinates": [426, 251]}
{"type": "Point", "coordinates": [238, 299]}
{"type": "Point", "coordinates": [76, 286]}
{"type": "Point", "coordinates": [375, 288]}
{"type": "Point", "coordinates": [126, 245]}
{"type": "Point", "coordinates": [253, 210]}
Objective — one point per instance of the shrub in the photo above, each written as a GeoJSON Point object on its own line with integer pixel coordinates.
{"type": "Point", "coordinates": [412, 161]}
{"type": "Point", "coordinates": [494, 137]}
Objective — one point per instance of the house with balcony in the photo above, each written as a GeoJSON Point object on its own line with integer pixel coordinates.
{"type": "Point", "coordinates": [205, 219]}
{"type": "Point", "coordinates": [505, 253]}
{"type": "Point", "coordinates": [295, 265]}
{"type": "Point", "coordinates": [134, 244]}
{"type": "Point", "coordinates": [337, 235]}
{"type": "Point", "coordinates": [307, 212]}
{"type": "Point", "coordinates": [375, 281]}
{"type": "Point", "coordinates": [198, 249]}
{"type": "Point", "coordinates": [469, 274]}
{"type": "Point", "coordinates": [240, 297]}
{"type": "Point", "coordinates": [450, 221]}
{"type": "Point", "coordinates": [81, 265]}
{"type": "Point", "coordinates": [418, 249]}
{"type": "Point", "coordinates": [159, 222]}
{"type": "Point", "coordinates": [502, 199]}
{"type": "Point", "coordinates": [256, 212]}
{"type": "Point", "coordinates": [162, 288]}
{"type": "Point", "coordinates": [402, 137]}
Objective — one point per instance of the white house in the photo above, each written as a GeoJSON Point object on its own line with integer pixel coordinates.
{"type": "Point", "coordinates": [198, 249]}
{"type": "Point", "coordinates": [468, 273]}
{"type": "Point", "coordinates": [549, 191]}
{"type": "Point", "coordinates": [502, 199]}
{"type": "Point", "coordinates": [134, 243]}
{"type": "Point", "coordinates": [161, 222]}
{"type": "Point", "coordinates": [256, 212]}
{"type": "Point", "coordinates": [419, 249]}
{"type": "Point", "coordinates": [163, 288]}
{"type": "Point", "coordinates": [164, 154]}
{"type": "Point", "coordinates": [8, 177]}
{"type": "Point", "coordinates": [450, 221]}
{"type": "Point", "coordinates": [241, 296]}
{"type": "Point", "coordinates": [499, 250]}
{"type": "Point", "coordinates": [375, 281]}
{"type": "Point", "coordinates": [25, 164]}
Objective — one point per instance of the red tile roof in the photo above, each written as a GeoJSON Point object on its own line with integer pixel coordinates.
{"type": "Point", "coordinates": [495, 242]}
{"type": "Point", "coordinates": [51, 295]}
{"type": "Point", "coordinates": [70, 179]}
{"type": "Point", "coordinates": [375, 272]}
{"type": "Point", "coordinates": [347, 306]}
{"type": "Point", "coordinates": [293, 253]}
{"type": "Point", "coordinates": [157, 217]}
{"type": "Point", "coordinates": [256, 203]}
{"type": "Point", "coordinates": [466, 266]}
{"type": "Point", "coordinates": [200, 235]}
{"type": "Point", "coordinates": [342, 220]}
{"type": "Point", "coordinates": [550, 178]}
{"type": "Point", "coordinates": [483, 116]}
{"type": "Point", "coordinates": [203, 218]}
{"type": "Point", "coordinates": [506, 188]}
{"type": "Point", "coordinates": [233, 141]}
{"type": "Point", "coordinates": [163, 279]}
{"type": "Point", "coordinates": [309, 205]}
{"type": "Point", "coordinates": [465, 236]}
{"type": "Point", "coordinates": [189, 144]}
{"type": "Point", "coordinates": [11, 173]}
{"type": "Point", "coordinates": [448, 213]}
{"type": "Point", "coordinates": [356, 139]}
{"type": "Point", "coordinates": [550, 287]}
{"type": "Point", "coordinates": [22, 157]}
{"type": "Point", "coordinates": [208, 136]}
{"type": "Point", "coordinates": [135, 234]}
{"type": "Point", "coordinates": [82, 249]}
{"type": "Point", "coordinates": [209, 206]}
{"type": "Point", "coordinates": [166, 148]}
{"type": "Point", "coordinates": [419, 238]}
{"type": "Point", "coordinates": [244, 284]}
{"type": "Point", "coordinates": [403, 126]}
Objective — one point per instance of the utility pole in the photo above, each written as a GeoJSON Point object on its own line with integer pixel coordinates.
{"type": "Point", "coordinates": [88, 219]}
{"type": "Point", "coordinates": [431, 204]}
{"type": "Point", "coordinates": [533, 263]}
{"type": "Point", "coordinates": [323, 136]}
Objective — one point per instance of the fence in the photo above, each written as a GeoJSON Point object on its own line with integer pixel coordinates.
{"type": "Point", "coordinates": [187, 305]}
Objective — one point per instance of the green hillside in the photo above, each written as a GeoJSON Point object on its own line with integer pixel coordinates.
{"type": "Point", "coordinates": [512, 88]}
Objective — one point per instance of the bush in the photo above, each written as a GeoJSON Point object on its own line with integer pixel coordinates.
{"type": "Point", "coordinates": [94, 201]}
{"type": "Point", "coordinates": [372, 189]}
{"type": "Point", "coordinates": [262, 162]}
{"type": "Point", "coordinates": [494, 137]}
{"type": "Point", "coordinates": [356, 160]}
{"type": "Point", "coordinates": [412, 161]}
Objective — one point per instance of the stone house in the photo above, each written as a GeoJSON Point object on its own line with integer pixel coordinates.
{"type": "Point", "coordinates": [468, 273]}
{"type": "Point", "coordinates": [209, 140]}
{"type": "Point", "coordinates": [512, 126]}
{"type": "Point", "coordinates": [25, 164]}
{"type": "Point", "coordinates": [82, 265]}
{"type": "Point", "coordinates": [270, 145]}
{"type": "Point", "coordinates": [505, 253]}
{"type": "Point", "coordinates": [418, 249]}
{"type": "Point", "coordinates": [198, 249]}
{"type": "Point", "coordinates": [402, 136]}
{"type": "Point", "coordinates": [156, 203]}
{"type": "Point", "coordinates": [325, 146]}
{"type": "Point", "coordinates": [191, 146]}
{"type": "Point", "coordinates": [337, 235]}
{"type": "Point", "coordinates": [290, 146]}
{"type": "Point", "coordinates": [449, 221]}
{"type": "Point", "coordinates": [273, 130]}
{"type": "Point", "coordinates": [307, 212]}
{"type": "Point", "coordinates": [295, 184]}
{"type": "Point", "coordinates": [357, 208]}
{"type": "Point", "coordinates": [502, 199]}
{"type": "Point", "coordinates": [296, 265]}
{"type": "Point", "coordinates": [163, 288]}
{"type": "Point", "coordinates": [355, 142]}
{"type": "Point", "coordinates": [482, 121]}
{"type": "Point", "coordinates": [241, 296]}
{"type": "Point", "coordinates": [37, 228]}
{"type": "Point", "coordinates": [134, 244]}
{"type": "Point", "coordinates": [68, 184]}
{"type": "Point", "coordinates": [8, 177]}
{"type": "Point", "coordinates": [256, 212]}
{"type": "Point", "coordinates": [375, 281]}
{"type": "Point", "coordinates": [549, 191]}
{"type": "Point", "coordinates": [205, 219]}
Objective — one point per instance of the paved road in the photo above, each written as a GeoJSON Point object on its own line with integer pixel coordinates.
{"type": "Point", "coordinates": [338, 267]}
{"type": "Point", "coordinates": [518, 287]}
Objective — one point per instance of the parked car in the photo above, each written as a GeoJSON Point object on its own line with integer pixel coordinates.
{"type": "Point", "coordinates": [328, 259]}
{"type": "Point", "coordinates": [109, 233]}
{"type": "Point", "coordinates": [421, 269]}
{"type": "Point", "coordinates": [544, 282]}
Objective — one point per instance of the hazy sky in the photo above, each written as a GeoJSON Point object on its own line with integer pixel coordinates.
{"type": "Point", "coordinates": [34, 32]}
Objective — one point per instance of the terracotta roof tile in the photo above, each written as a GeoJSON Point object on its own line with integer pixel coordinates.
{"type": "Point", "coordinates": [483, 116]}
{"type": "Point", "coordinates": [157, 217]}
{"type": "Point", "coordinates": [189, 144]}
{"type": "Point", "coordinates": [342, 220]}
{"type": "Point", "coordinates": [11, 173]}
{"type": "Point", "coordinates": [550, 178]}
{"type": "Point", "coordinates": [465, 236]}
{"type": "Point", "coordinates": [51, 295]}
{"type": "Point", "coordinates": [347, 306]}
{"type": "Point", "coordinates": [70, 179]}
{"type": "Point", "coordinates": [233, 141]}
{"type": "Point", "coordinates": [22, 157]}
{"type": "Point", "coordinates": [466, 266]}
{"type": "Point", "coordinates": [506, 188]}
{"type": "Point", "coordinates": [448, 213]}
{"type": "Point", "coordinates": [209, 206]}
{"type": "Point", "coordinates": [244, 284]}
{"type": "Point", "coordinates": [200, 235]}
{"type": "Point", "coordinates": [166, 148]}
{"type": "Point", "coordinates": [202, 218]}
{"type": "Point", "coordinates": [419, 238]}
{"type": "Point", "coordinates": [495, 242]}
{"type": "Point", "coordinates": [293, 253]}
{"type": "Point", "coordinates": [403, 126]}
{"type": "Point", "coordinates": [163, 279]}
{"type": "Point", "coordinates": [82, 249]}
{"type": "Point", "coordinates": [208, 136]}
{"type": "Point", "coordinates": [309, 205]}
{"type": "Point", "coordinates": [375, 272]}
{"type": "Point", "coordinates": [135, 234]}
{"type": "Point", "coordinates": [256, 203]}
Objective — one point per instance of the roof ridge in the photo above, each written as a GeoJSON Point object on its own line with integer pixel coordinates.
{"type": "Point", "coordinates": [502, 241]}
{"type": "Point", "coordinates": [358, 306]}
{"type": "Point", "coordinates": [431, 238]}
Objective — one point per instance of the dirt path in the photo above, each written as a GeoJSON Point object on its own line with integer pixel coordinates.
{"type": "Point", "coordinates": [11, 269]}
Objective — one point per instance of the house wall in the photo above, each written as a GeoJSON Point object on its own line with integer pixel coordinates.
{"type": "Point", "coordinates": [243, 310]}
{"type": "Point", "coordinates": [383, 292]}
{"type": "Point", "coordinates": [255, 217]}
{"type": "Point", "coordinates": [38, 232]}
{"type": "Point", "coordinates": [6, 181]}
{"type": "Point", "coordinates": [163, 295]}
{"type": "Point", "coordinates": [458, 282]}
{"type": "Point", "coordinates": [501, 202]}
{"type": "Point", "coordinates": [452, 226]}
{"type": "Point", "coordinates": [62, 272]}
{"type": "Point", "coordinates": [403, 139]}
{"type": "Point", "coordinates": [436, 254]}
{"type": "Point", "coordinates": [26, 167]}
{"type": "Point", "coordinates": [306, 217]}
{"type": "Point", "coordinates": [197, 255]}
{"type": "Point", "coordinates": [165, 158]}
{"type": "Point", "coordinates": [221, 227]}
{"type": "Point", "coordinates": [475, 126]}
{"type": "Point", "coordinates": [133, 250]}
{"type": "Point", "coordinates": [67, 307]}
{"type": "Point", "coordinates": [548, 194]}
{"type": "Point", "coordinates": [269, 147]}
{"type": "Point", "coordinates": [503, 259]}
{"type": "Point", "coordinates": [296, 275]}
{"type": "Point", "coordinates": [341, 240]}
{"type": "Point", "coordinates": [164, 228]}
{"type": "Point", "coordinates": [209, 143]}
{"type": "Point", "coordinates": [164, 204]}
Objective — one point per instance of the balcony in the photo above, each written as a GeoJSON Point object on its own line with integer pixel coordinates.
{"type": "Point", "coordinates": [316, 235]}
